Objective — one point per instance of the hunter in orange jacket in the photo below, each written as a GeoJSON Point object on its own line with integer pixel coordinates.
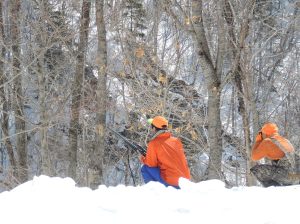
{"type": "Point", "coordinates": [270, 145]}
{"type": "Point", "coordinates": [166, 153]}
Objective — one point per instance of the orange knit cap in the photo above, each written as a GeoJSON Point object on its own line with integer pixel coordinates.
{"type": "Point", "coordinates": [269, 129]}
{"type": "Point", "coordinates": [159, 122]}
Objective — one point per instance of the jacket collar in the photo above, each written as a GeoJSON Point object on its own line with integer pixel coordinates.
{"type": "Point", "coordinates": [161, 133]}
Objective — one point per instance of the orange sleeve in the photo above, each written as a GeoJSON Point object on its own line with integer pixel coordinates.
{"type": "Point", "coordinates": [267, 148]}
{"type": "Point", "coordinates": [288, 147]}
{"type": "Point", "coordinates": [151, 158]}
{"type": "Point", "coordinates": [259, 137]}
{"type": "Point", "coordinates": [257, 152]}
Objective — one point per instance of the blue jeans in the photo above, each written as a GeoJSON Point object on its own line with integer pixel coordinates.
{"type": "Point", "coordinates": [153, 174]}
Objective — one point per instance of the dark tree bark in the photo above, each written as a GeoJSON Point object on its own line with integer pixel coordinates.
{"type": "Point", "coordinates": [97, 157]}
{"type": "Point", "coordinates": [18, 92]}
{"type": "Point", "coordinates": [3, 98]}
{"type": "Point", "coordinates": [77, 87]}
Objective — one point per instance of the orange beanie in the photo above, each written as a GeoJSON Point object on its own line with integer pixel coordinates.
{"type": "Point", "coordinates": [269, 129]}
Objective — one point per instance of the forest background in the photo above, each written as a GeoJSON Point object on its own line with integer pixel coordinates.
{"type": "Point", "coordinates": [216, 69]}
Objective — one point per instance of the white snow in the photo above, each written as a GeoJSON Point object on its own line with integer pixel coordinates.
{"type": "Point", "coordinates": [56, 200]}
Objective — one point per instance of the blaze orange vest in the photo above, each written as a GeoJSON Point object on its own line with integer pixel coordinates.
{"type": "Point", "coordinates": [270, 144]}
{"type": "Point", "coordinates": [167, 153]}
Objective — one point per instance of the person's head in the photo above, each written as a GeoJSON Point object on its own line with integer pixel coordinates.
{"type": "Point", "coordinates": [158, 123]}
{"type": "Point", "coordinates": [269, 129]}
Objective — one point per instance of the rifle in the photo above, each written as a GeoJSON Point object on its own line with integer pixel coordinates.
{"type": "Point", "coordinates": [130, 143]}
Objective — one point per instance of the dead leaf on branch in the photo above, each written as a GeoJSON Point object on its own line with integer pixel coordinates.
{"type": "Point", "coordinates": [139, 52]}
{"type": "Point", "coordinates": [126, 61]}
{"type": "Point", "coordinates": [130, 128]}
{"type": "Point", "coordinates": [122, 74]}
{"type": "Point", "coordinates": [162, 78]}
{"type": "Point", "coordinates": [187, 21]}
{"type": "Point", "coordinates": [100, 129]}
{"type": "Point", "coordinates": [194, 135]}
{"type": "Point", "coordinates": [196, 19]}
{"type": "Point", "coordinates": [178, 130]}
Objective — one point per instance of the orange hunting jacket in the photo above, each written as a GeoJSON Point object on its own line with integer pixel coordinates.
{"type": "Point", "coordinates": [272, 147]}
{"type": "Point", "coordinates": [167, 153]}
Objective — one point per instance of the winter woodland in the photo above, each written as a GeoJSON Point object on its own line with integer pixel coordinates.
{"type": "Point", "coordinates": [217, 69]}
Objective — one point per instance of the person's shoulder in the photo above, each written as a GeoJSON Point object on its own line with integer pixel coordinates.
{"type": "Point", "coordinates": [175, 139]}
{"type": "Point", "coordinates": [283, 142]}
{"type": "Point", "coordinates": [152, 141]}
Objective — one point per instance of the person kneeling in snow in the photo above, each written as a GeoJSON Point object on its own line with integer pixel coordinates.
{"type": "Point", "coordinates": [269, 144]}
{"type": "Point", "coordinates": [165, 161]}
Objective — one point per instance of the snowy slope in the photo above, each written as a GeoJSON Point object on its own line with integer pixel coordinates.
{"type": "Point", "coordinates": [56, 200]}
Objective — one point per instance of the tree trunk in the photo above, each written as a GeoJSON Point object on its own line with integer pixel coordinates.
{"type": "Point", "coordinates": [77, 88]}
{"type": "Point", "coordinates": [97, 156]}
{"type": "Point", "coordinates": [18, 101]}
{"type": "Point", "coordinates": [239, 74]}
{"type": "Point", "coordinates": [42, 40]}
{"type": "Point", "coordinates": [46, 167]}
{"type": "Point", "coordinates": [213, 80]}
{"type": "Point", "coordinates": [155, 27]}
{"type": "Point", "coordinates": [3, 99]}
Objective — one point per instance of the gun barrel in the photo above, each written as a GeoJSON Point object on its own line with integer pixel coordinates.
{"type": "Point", "coordinates": [132, 144]}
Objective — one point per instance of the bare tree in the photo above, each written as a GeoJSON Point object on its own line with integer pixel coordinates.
{"type": "Point", "coordinates": [238, 71]}
{"type": "Point", "coordinates": [18, 91]}
{"type": "Point", "coordinates": [212, 69]}
{"type": "Point", "coordinates": [4, 98]}
{"type": "Point", "coordinates": [97, 156]}
{"type": "Point", "coordinates": [77, 87]}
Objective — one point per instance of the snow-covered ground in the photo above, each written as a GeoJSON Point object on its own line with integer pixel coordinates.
{"type": "Point", "coordinates": [55, 200]}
